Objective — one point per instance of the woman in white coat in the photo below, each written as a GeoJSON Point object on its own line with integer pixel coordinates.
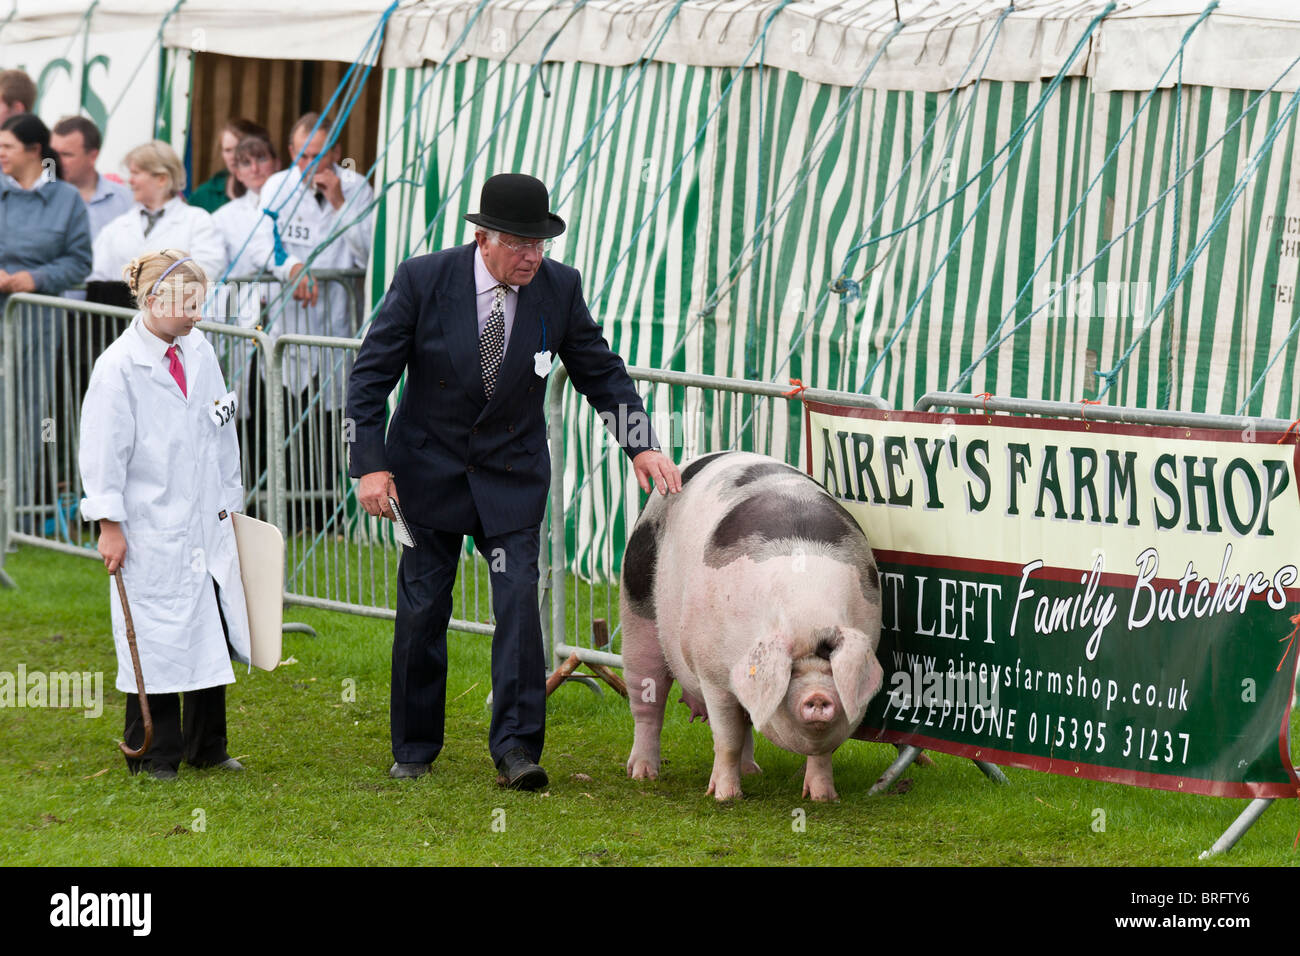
{"type": "Point", "coordinates": [159, 464]}
{"type": "Point", "coordinates": [159, 219]}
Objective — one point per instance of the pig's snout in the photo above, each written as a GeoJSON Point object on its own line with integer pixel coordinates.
{"type": "Point", "coordinates": [817, 710]}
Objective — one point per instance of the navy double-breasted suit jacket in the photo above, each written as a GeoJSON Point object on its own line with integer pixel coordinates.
{"type": "Point", "coordinates": [455, 455]}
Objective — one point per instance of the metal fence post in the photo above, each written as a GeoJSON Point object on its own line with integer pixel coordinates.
{"type": "Point", "coordinates": [276, 441]}
{"type": "Point", "coordinates": [558, 562]}
{"type": "Point", "coordinates": [7, 438]}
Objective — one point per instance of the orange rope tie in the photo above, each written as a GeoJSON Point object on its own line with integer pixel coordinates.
{"type": "Point", "coordinates": [799, 388]}
{"type": "Point", "coordinates": [1286, 434]}
{"type": "Point", "coordinates": [1295, 619]}
{"type": "Point", "coordinates": [986, 396]}
{"type": "Point", "coordinates": [1083, 412]}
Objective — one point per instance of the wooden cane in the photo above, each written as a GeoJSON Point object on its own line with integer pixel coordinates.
{"type": "Point", "coordinates": [139, 675]}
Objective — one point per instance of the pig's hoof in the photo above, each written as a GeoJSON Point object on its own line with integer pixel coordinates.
{"type": "Point", "coordinates": [725, 790]}
{"type": "Point", "coordinates": [750, 767]}
{"type": "Point", "coordinates": [820, 792]}
{"type": "Point", "coordinates": [639, 768]}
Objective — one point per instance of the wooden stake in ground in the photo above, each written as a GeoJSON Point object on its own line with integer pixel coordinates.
{"type": "Point", "coordinates": [600, 641]}
{"type": "Point", "coordinates": [560, 673]}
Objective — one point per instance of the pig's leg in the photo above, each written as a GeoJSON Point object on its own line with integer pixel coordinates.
{"type": "Point", "coordinates": [727, 720]}
{"type": "Point", "coordinates": [648, 683]}
{"type": "Point", "coordinates": [818, 781]}
{"type": "Point", "coordinates": [747, 764]}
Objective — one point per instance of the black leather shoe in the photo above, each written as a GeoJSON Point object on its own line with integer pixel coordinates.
{"type": "Point", "coordinates": [517, 771]}
{"type": "Point", "coordinates": [408, 771]}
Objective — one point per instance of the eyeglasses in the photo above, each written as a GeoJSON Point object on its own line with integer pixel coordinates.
{"type": "Point", "coordinates": [529, 245]}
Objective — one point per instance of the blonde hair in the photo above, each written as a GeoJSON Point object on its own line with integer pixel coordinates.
{"type": "Point", "coordinates": [142, 273]}
{"type": "Point", "coordinates": [156, 157]}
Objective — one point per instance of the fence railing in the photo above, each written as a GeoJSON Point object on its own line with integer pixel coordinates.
{"type": "Point", "coordinates": [293, 439]}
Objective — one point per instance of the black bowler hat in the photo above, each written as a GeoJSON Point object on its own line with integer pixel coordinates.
{"type": "Point", "coordinates": [517, 204]}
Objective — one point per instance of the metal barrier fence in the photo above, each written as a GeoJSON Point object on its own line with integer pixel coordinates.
{"type": "Point", "coordinates": [292, 451]}
{"type": "Point", "coordinates": [50, 346]}
{"type": "Point", "coordinates": [295, 464]}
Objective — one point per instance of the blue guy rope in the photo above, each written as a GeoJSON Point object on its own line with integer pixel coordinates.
{"type": "Point", "coordinates": [1096, 180]}
{"type": "Point", "coordinates": [644, 62]}
{"type": "Point", "coordinates": [1014, 142]}
{"type": "Point", "coordinates": [797, 184]}
{"type": "Point", "coordinates": [1195, 164]}
{"type": "Point", "coordinates": [842, 284]}
{"type": "Point", "coordinates": [1227, 204]}
{"type": "Point", "coordinates": [631, 243]}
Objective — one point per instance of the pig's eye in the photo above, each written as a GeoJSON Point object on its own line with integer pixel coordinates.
{"type": "Point", "coordinates": [824, 650]}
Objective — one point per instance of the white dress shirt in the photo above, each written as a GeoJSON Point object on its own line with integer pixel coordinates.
{"type": "Point", "coordinates": [485, 292]}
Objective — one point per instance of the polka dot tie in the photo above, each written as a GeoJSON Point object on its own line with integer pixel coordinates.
{"type": "Point", "coordinates": [491, 345]}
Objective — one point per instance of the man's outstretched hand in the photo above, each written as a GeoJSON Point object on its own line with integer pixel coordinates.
{"type": "Point", "coordinates": [373, 493]}
{"type": "Point", "coordinates": [657, 468]}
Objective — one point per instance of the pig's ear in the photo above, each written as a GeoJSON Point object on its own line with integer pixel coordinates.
{"type": "Point", "coordinates": [760, 678]}
{"type": "Point", "coordinates": [856, 672]}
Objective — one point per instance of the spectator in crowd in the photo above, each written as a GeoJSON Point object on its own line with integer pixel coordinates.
{"type": "Point", "coordinates": [44, 229]}
{"type": "Point", "coordinates": [17, 93]}
{"type": "Point", "coordinates": [325, 214]}
{"type": "Point", "coordinates": [244, 302]}
{"type": "Point", "coordinates": [255, 162]}
{"type": "Point", "coordinates": [224, 185]}
{"type": "Point", "coordinates": [159, 219]}
{"type": "Point", "coordinates": [44, 247]}
{"type": "Point", "coordinates": [76, 141]}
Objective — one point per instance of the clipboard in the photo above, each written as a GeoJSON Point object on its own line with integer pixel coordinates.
{"type": "Point", "coordinates": [261, 569]}
{"type": "Point", "coordinates": [401, 530]}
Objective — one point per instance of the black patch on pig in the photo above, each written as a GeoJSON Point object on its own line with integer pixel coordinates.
{"type": "Point", "coordinates": [693, 469]}
{"type": "Point", "coordinates": [640, 559]}
{"type": "Point", "coordinates": [776, 522]}
{"type": "Point", "coordinates": [774, 517]}
{"type": "Point", "coordinates": [761, 470]}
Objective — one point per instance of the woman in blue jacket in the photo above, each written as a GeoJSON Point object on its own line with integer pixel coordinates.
{"type": "Point", "coordinates": [45, 248]}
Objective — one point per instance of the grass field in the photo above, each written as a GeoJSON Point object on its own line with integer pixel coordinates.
{"type": "Point", "coordinates": [316, 790]}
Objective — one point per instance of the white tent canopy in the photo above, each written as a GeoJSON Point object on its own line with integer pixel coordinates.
{"type": "Point", "coordinates": [1245, 44]}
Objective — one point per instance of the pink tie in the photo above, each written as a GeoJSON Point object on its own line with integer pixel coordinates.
{"type": "Point", "coordinates": [177, 369]}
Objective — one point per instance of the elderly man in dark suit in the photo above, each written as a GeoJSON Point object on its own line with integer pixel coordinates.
{"type": "Point", "coordinates": [466, 453]}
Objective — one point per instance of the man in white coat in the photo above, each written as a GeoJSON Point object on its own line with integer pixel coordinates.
{"type": "Point", "coordinates": [328, 215]}
{"type": "Point", "coordinates": [159, 461]}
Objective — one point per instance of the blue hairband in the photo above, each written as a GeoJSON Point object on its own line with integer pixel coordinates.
{"type": "Point", "coordinates": [166, 273]}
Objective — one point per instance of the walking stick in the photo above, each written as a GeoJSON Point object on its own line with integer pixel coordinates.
{"type": "Point", "coordinates": [139, 675]}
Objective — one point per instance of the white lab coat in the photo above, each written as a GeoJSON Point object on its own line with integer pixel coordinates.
{"type": "Point", "coordinates": [156, 461]}
{"type": "Point", "coordinates": [304, 224]}
{"type": "Point", "coordinates": [182, 226]}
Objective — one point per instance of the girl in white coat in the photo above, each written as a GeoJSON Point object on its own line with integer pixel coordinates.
{"type": "Point", "coordinates": [160, 467]}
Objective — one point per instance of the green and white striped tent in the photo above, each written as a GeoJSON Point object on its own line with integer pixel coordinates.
{"type": "Point", "coordinates": [814, 189]}
{"type": "Point", "coordinates": [717, 162]}
{"type": "Point", "coordinates": [724, 168]}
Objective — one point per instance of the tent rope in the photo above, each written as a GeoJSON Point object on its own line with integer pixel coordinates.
{"type": "Point", "coordinates": [965, 376]}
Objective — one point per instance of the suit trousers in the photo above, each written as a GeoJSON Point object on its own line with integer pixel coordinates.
{"type": "Point", "coordinates": [426, 574]}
